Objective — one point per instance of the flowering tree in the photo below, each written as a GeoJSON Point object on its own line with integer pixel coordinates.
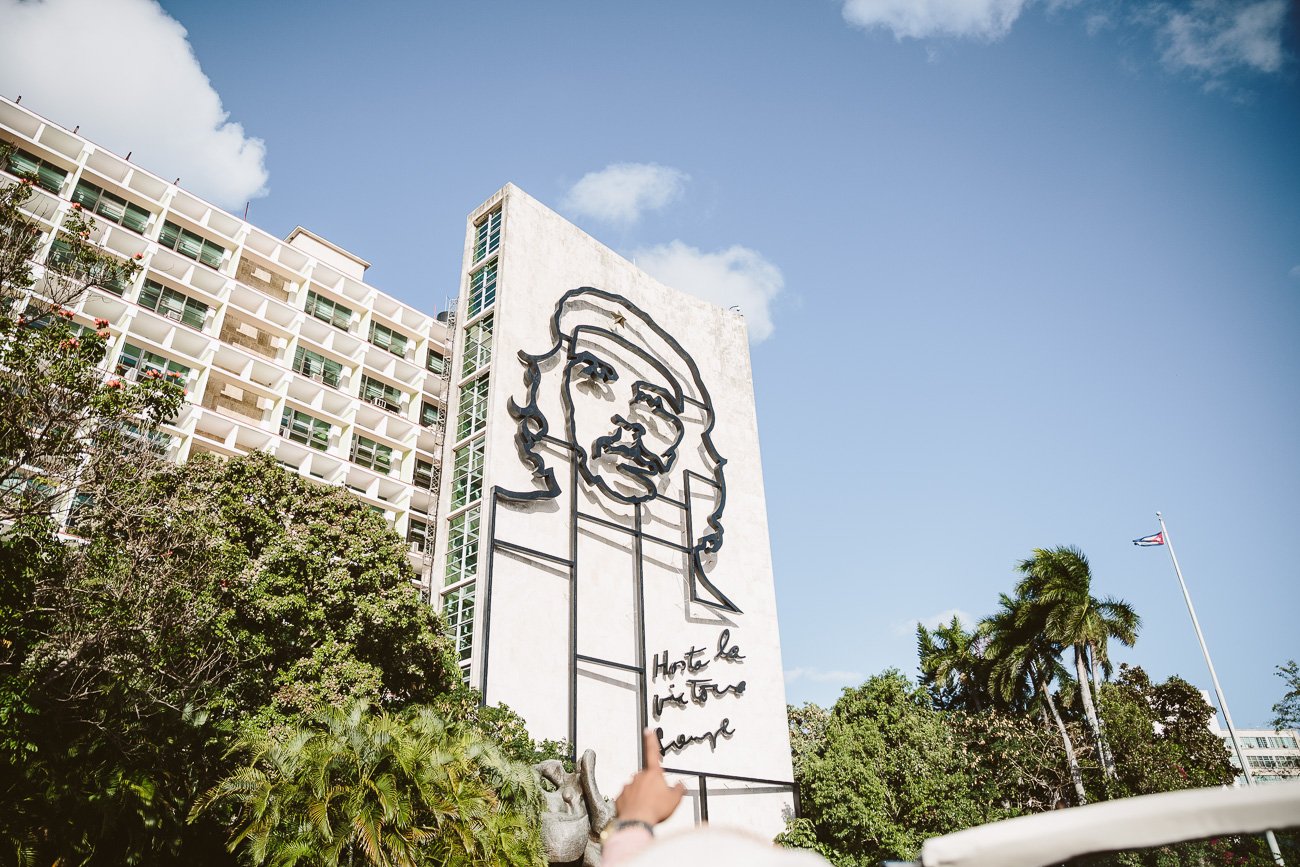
{"type": "Point", "coordinates": [68, 422]}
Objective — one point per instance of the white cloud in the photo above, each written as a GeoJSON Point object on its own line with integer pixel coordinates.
{"type": "Point", "coordinates": [734, 277]}
{"type": "Point", "coordinates": [817, 675]}
{"type": "Point", "coordinates": [918, 19]}
{"type": "Point", "coordinates": [123, 71]}
{"type": "Point", "coordinates": [1213, 37]}
{"type": "Point", "coordinates": [1294, 273]}
{"type": "Point", "coordinates": [622, 192]}
{"type": "Point", "coordinates": [943, 618]}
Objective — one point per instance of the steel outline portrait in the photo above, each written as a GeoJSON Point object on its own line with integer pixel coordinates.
{"type": "Point", "coordinates": [639, 448]}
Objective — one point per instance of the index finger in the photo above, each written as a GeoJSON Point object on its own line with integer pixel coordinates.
{"type": "Point", "coordinates": [650, 750]}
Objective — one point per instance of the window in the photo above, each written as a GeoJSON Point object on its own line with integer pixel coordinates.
{"type": "Point", "coordinates": [45, 174]}
{"type": "Point", "coordinates": [478, 345]}
{"type": "Point", "coordinates": [370, 454]}
{"type": "Point", "coordinates": [189, 244]}
{"type": "Point", "coordinates": [467, 473]}
{"type": "Point", "coordinates": [173, 304]}
{"type": "Point", "coordinates": [133, 357]}
{"type": "Point", "coordinates": [435, 361]}
{"type": "Point", "coordinates": [487, 236]}
{"type": "Point", "coordinates": [381, 394]}
{"type": "Point", "coordinates": [155, 441]}
{"type": "Point", "coordinates": [473, 407]}
{"type": "Point", "coordinates": [315, 366]}
{"type": "Point", "coordinates": [482, 289]}
{"type": "Point", "coordinates": [458, 609]}
{"type": "Point", "coordinates": [302, 428]}
{"type": "Point", "coordinates": [426, 475]}
{"type": "Point", "coordinates": [430, 414]}
{"type": "Point", "coordinates": [87, 263]}
{"type": "Point", "coordinates": [386, 338]}
{"type": "Point", "coordinates": [417, 533]}
{"type": "Point", "coordinates": [113, 208]}
{"type": "Point", "coordinates": [462, 545]}
{"type": "Point", "coordinates": [328, 311]}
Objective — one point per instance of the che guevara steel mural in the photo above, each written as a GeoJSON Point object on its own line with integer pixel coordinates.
{"type": "Point", "coordinates": [637, 430]}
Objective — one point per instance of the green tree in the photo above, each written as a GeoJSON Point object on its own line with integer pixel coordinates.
{"type": "Point", "coordinates": [953, 666]}
{"type": "Point", "coordinates": [889, 774]}
{"type": "Point", "coordinates": [68, 421]}
{"type": "Point", "coordinates": [1059, 580]}
{"type": "Point", "coordinates": [1286, 713]}
{"type": "Point", "coordinates": [1025, 662]}
{"type": "Point", "coordinates": [1161, 735]}
{"type": "Point", "coordinates": [807, 725]}
{"type": "Point", "coordinates": [211, 600]}
{"type": "Point", "coordinates": [353, 787]}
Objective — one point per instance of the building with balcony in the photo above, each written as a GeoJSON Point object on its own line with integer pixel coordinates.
{"type": "Point", "coordinates": [1273, 756]}
{"type": "Point", "coordinates": [282, 345]}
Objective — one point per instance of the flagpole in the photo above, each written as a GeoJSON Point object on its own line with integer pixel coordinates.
{"type": "Point", "coordinates": [1214, 678]}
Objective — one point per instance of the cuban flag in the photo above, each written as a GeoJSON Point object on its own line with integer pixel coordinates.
{"type": "Point", "coordinates": [1153, 539]}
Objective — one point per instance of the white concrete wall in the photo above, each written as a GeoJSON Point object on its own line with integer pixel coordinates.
{"type": "Point", "coordinates": [528, 650]}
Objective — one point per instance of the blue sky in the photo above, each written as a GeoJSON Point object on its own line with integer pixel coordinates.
{"type": "Point", "coordinates": [1018, 272]}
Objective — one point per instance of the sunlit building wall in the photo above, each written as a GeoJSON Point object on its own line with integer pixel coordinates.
{"type": "Point", "coordinates": [281, 344]}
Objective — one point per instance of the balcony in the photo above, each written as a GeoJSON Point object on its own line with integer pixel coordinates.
{"type": "Point", "coordinates": [238, 331]}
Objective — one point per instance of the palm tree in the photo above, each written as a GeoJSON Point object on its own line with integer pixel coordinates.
{"type": "Point", "coordinates": [1024, 662]}
{"type": "Point", "coordinates": [1059, 581]}
{"type": "Point", "coordinates": [356, 787]}
{"type": "Point", "coordinates": [953, 667]}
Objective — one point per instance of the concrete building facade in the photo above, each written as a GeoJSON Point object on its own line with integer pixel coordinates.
{"type": "Point", "coordinates": [603, 536]}
{"type": "Point", "coordinates": [282, 345]}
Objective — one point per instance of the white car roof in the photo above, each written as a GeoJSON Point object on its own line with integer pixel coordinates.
{"type": "Point", "coordinates": [1129, 823]}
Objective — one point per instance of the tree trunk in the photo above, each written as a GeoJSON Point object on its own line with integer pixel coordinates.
{"type": "Point", "coordinates": [1076, 775]}
{"type": "Point", "coordinates": [1101, 721]}
{"type": "Point", "coordinates": [1085, 693]}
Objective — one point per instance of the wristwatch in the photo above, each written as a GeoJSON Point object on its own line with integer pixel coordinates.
{"type": "Point", "coordinates": [619, 824]}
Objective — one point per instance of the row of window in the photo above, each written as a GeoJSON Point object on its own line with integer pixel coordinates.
{"type": "Point", "coordinates": [300, 427]}
{"type": "Point", "coordinates": [1274, 762]}
{"type": "Point", "coordinates": [1282, 742]}
{"type": "Point", "coordinates": [45, 174]}
{"type": "Point", "coordinates": [191, 245]}
{"type": "Point", "coordinates": [115, 209]}
{"type": "Point", "coordinates": [463, 529]}
{"type": "Point", "coordinates": [340, 316]}
{"type": "Point", "coordinates": [134, 357]}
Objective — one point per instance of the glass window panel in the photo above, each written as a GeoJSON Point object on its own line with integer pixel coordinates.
{"type": "Point", "coordinates": [386, 338]}
{"type": "Point", "coordinates": [467, 473]}
{"type": "Point", "coordinates": [303, 428]}
{"type": "Point", "coordinates": [487, 236]}
{"type": "Point", "coordinates": [368, 453]}
{"type": "Point", "coordinates": [425, 478]}
{"type": "Point", "coordinates": [472, 415]}
{"type": "Point", "coordinates": [462, 545]}
{"type": "Point", "coordinates": [482, 289]}
{"type": "Point", "coordinates": [478, 345]}
{"type": "Point", "coordinates": [458, 611]}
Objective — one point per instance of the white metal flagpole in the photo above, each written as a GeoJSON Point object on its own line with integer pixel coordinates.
{"type": "Point", "coordinates": [1214, 678]}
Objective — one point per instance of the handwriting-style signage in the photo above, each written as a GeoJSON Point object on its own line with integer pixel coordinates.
{"type": "Point", "coordinates": [695, 688]}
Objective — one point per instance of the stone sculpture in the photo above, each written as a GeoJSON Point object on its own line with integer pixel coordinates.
{"type": "Point", "coordinates": [575, 814]}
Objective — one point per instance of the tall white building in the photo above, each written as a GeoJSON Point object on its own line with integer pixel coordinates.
{"type": "Point", "coordinates": [601, 550]}
{"type": "Point", "coordinates": [283, 346]}
{"type": "Point", "coordinates": [604, 547]}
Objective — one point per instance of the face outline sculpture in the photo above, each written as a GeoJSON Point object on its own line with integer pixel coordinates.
{"type": "Point", "coordinates": [634, 405]}
{"type": "Point", "coordinates": [630, 454]}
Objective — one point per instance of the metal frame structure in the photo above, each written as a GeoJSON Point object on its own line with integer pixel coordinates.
{"type": "Point", "coordinates": [534, 431]}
